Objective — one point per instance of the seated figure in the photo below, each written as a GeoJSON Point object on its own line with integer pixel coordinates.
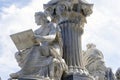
{"type": "Point", "coordinates": [43, 60]}
{"type": "Point", "coordinates": [94, 62]}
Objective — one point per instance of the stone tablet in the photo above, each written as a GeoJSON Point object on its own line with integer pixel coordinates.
{"type": "Point", "coordinates": [23, 40]}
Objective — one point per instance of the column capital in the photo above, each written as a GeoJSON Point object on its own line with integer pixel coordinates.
{"type": "Point", "coordinates": [73, 10]}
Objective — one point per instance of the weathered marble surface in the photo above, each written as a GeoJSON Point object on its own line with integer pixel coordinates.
{"type": "Point", "coordinates": [110, 75]}
{"type": "Point", "coordinates": [70, 15]}
{"type": "Point", "coordinates": [59, 52]}
{"type": "Point", "coordinates": [77, 77]}
{"type": "Point", "coordinates": [94, 62]}
{"type": "Point", "coordinates": [23, 40]}
{"type": "Point", "coordinates": [118, 74]}
{"type": "Point", "coordinates": [45, 60]}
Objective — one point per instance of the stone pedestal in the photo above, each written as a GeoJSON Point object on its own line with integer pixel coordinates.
{"type": "Point", "coordinates": [26, 79]}
{"type": "Point", "coordinates": [77, 77]}
{"type": "Point", "coordinates": [29, 79]}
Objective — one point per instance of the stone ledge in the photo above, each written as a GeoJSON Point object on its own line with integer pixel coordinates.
{"type": "Point", "coordinates": [77, 77]}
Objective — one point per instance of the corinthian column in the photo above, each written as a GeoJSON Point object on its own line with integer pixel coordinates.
{"type": "Point", "coordinates": [70, 15]}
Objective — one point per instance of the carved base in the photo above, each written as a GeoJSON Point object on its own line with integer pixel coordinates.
{"type": "Point", "coordinates": [77, 77]}
{"type": "Point", "coordinates": [26, 79]}
{"type": "Point", "coordinates": [22, 79]}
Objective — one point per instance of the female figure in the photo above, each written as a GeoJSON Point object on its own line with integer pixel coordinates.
{"type": "Point", "coordinates": [43, 60]}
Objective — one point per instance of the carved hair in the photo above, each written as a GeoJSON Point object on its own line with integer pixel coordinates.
{"type": "Point", "coordinates": [42, 16]}
{"type": "Point", "coordinates": [90, 45]}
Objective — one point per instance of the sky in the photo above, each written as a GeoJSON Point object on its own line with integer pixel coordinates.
{"type": "Point", "coordinates": [102, 29]}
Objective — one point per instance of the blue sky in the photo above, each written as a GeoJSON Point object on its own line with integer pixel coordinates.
{"type": "Point", "coordinates": [18, 3]}
{"type": "Point", "coordinates": [8, 3]}
{"type": "Point", "coordinates": [102, 29]}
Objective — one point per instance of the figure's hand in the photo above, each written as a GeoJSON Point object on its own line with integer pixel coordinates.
{"type": "Point", "coordinates": [36, 36]}
{"type": "Point", "coordinates": [35, 40]}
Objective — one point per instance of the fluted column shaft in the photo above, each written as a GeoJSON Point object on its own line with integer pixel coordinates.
{"type": "Point", "coordinates": [71, 35]}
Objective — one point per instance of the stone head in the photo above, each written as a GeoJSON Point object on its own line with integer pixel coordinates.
{"type": "Point", "coordinates": [40, 18]}
{"type": "Point", "coordinates": [90, 45]}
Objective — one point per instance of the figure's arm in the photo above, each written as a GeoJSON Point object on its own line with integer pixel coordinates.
{"type": "Point", "coordinates": [49, 38]}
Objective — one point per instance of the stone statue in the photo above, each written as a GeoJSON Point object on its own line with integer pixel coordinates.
{"type": "Point", "coordinates": [94, 62]}
{"type": "Point", "coordinates": [118, 74]}
{"type": "Point", "coordinates": [42, 61]}
{"type": "Point", "coordinates": [57, 51]}
{"type": "Point", "coordinates": [70, 15]}
{"type": "Point", "coordinates": [109, 74]}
